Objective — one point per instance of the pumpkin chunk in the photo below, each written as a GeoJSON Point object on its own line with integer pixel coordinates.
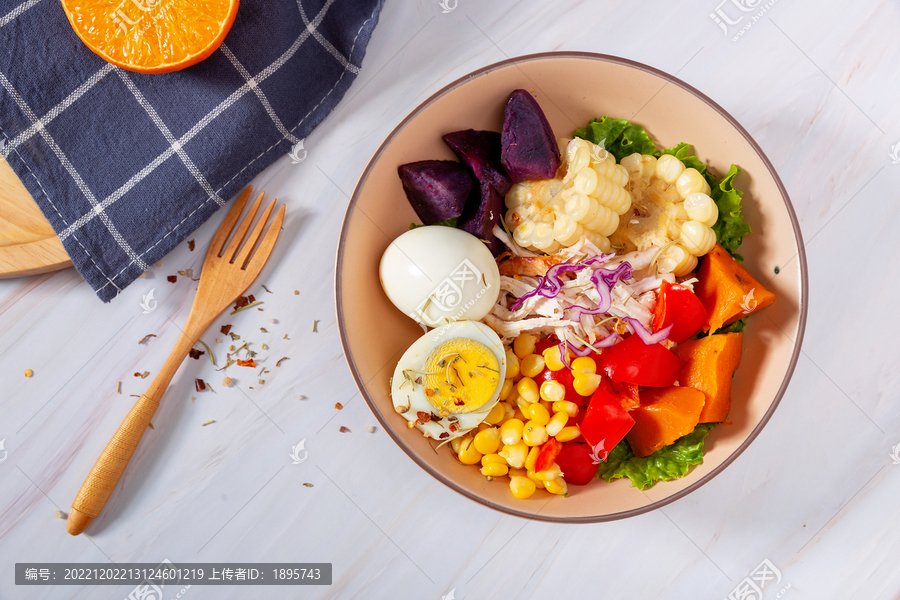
{"type": "Point", "coordinates": [727, 290]}
{"type": "Point", "coordinates": [665, 414]}
{"type": "Point", "coordinates": [709, 364]}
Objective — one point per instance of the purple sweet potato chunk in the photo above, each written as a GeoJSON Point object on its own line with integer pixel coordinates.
{"type": "Point", "coordinates": [436, 189]}
{"type": "Point", "coordinates": [480, 151]}
{"type": "Point", "coordinates": [529, 149]}
{"type": "Point", "coordinates": [483, 210]}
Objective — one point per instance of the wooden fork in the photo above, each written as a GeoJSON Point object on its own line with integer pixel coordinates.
{"type": "Point", "coordinates": [227, 273]}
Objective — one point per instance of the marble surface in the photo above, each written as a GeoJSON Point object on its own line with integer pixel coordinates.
{"type": "Point", "coordinates": [815, 494]}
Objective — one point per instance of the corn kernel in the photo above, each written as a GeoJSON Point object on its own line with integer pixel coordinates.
{"type": "Point", "coordinates": [495, 417]}
{"type": "Point", "coordinates": [492, 458]}
{"type": "Point", "coordinates": [533, 477]}
{"type": "Point", "coordinates": [550, 473]}
{"type": "Point", "coordinates": [570, 408]}
{"type": "Point", "coordinates": [567, 434]}
{"type": "Point", "coordinates": [669, 168]}
{"type": "Point", "coordinates": [515, 454]}
{"type": "Point", "coordinates": [534, 434]}
{"type": "Point", "coordinates": [508, 411]}
{"type": "Point", "coordinates": [586, 383]}
{"type": "Point", "coordinates": [555, 486]}
{"type": "Point", "coordinates": [517, 472]}
{"type": "Point", "coordinates": [512, 364]}
{"type": "Point", "coordinates": [553, 391]}
{"type": "Point", "coordinates": [521, 404]}
{"type": "Point", "coordinates": [487, 441]}
{"type": "Point", "coordinates": [511, 431]}
{"type": "Point", "coordinates": [481, 427]}
{"type": "Point", "coordinates": [524, 343]}
{"type": "Point", "coordinates": [468, 455]}
{"type": "Point", "coordinates": [531, 365]}
{"type": "Point", "coordinates": [513, 394]}
{"type": "Point", "coordinates": [583, 364]}
{"type": "Point", "coordinates": [552, 359]}
{"type": "Point", "coordinates": [522, 487]}
{"type": "Point", "coordinates": [531, 459]}
{"type": "Point", "coordinates": [456, 442]}
{"type": "Point", "coordinates": [528, 389]}
{"type": "Point", "coordinates": [548, 405]}
{"type": "Point", "coordinates": [537, 413]}
{"type": "Point", "coordinates": [495, 469]}
{"type": "Point", "coordinates": [506, 389]}
{"type": "Point", "coordinates": [556, 423]}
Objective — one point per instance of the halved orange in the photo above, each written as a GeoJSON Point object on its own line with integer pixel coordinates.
{"type": "Point", "coordinates": [152, 36]}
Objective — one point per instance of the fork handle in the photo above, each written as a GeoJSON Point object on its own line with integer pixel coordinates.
{"type": "Point", "coordinates": [108, 469]}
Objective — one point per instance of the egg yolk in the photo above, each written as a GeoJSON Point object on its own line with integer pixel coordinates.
{"type": "Point", "coordinates": [462, 376]}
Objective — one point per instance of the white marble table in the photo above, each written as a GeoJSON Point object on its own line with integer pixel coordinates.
{"type": "Point", "coordinates": [815, 494]}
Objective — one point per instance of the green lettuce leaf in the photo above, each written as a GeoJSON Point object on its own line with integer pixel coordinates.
{"type": "Point", "coordinates": [671, 462]}
{"type": "Point", "coordinates": [618, 136]}
{"type": "Point", "coordinates": [731, 228]}
{"type": "Point", "coordinates": [736, 327]}
{"type": "Point", "coordinates": [451, 222]}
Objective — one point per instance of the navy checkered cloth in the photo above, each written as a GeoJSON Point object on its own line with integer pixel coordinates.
{"type": "Point", "coordinates": [126, 165]}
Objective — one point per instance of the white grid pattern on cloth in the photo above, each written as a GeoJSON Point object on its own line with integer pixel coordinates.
{"type": "Point", "coordinates": [99, 208]}
{"type": "Point", "coordinates": [14, 13]}
{"type": "Point", "coordinates": [325, 43]}
{"type": "Point", "coordinates": [59, 108]}
{"type": "Point", "coordinates": [73, 172]}
{"type": "Point", "coordinates": [173, 143]}
{"type": "Point", "coordinates": [251, 81]}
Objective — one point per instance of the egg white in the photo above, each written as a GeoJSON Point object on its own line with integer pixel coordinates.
{"type": "Point", "coordinates": [411, 397]}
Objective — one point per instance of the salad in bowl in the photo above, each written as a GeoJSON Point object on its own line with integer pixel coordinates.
{"type": "Point", "coordinates": [582, 299]}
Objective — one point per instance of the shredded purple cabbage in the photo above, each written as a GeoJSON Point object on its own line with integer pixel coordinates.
{"type": "Point", "coordinates": [645, 335]}
{"type": "Point", "coordinates": [550, 284]}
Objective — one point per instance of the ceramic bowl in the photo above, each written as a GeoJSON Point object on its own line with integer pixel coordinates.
{"type": "Point", "coordinates": [572, 88]}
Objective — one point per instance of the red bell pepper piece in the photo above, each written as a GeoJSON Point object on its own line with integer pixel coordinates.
{"type": "Point", "coordinates": [605, 422]}
{"type": "Point", "coordinates": [678, 305]}
{"type": "Point", "coordinates": [634, 361]}
{"type": "Point", "coordinates": [577, 463]}
{"type": "Point", "coordinates": [547, 454]}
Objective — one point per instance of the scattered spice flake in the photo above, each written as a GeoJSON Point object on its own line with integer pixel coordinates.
{"type": "Point", "coordinates": [272, 321]}
{"type": "Point", "coordinates": [246, 363]}
{"type": "Point", "coordinates": [212, 356]}
{"type": "Point", "coordinates": [234, 337]}
{"type": "Point", "coordinates": [198, 383]}
{"type": "Point", "coordinates": [172, 278]}
{"type": "Point", "coordinates": [267, 289]}
{"type": "Point", "coordinates": [196, 354]}
{"type": "Point", "coordinates": [338, 405]}
{"type": "Point", "coordinates": [207, 423]}
{"type": "Point", "coordinates": [241, 302]}
{"type": "Point", "coordinates": [227, 382]}
{"type": "Point", "coordinates": [119, 387]}
{"type": "Point", "coordinates": [285, 337]}
{"type": "Point", "coordinates": [315, 325]}
{"type": "Point", "coordinates": [370, 429]}
{"type": "Point", "coordinates": [144, 374]}
{"type": "Point", "coordinates": [225, 329]}
{"type": "Point", "coordinates": [308, 484]}
{"type": "Point", "coordinates": [262, 382]}
{"type": "Point", "coordinates": [264, 330]}
{"type": "Point", "coordinates": [28, 372]}
{"type": "Point", "coordinates": [278, 364]}
{"type": "Point", "coordinates": [296, 292]}
{"type": "Point", "coordinates": [344, 429]}
{"type": "Point", "coordinates": [157, 263]}
{"type": "Point", "coordinates": [263, 370]}
{"type": "Point", "coordinates": [182, 273]}
{"type": "Point", "coordinates": [151, 425]}
{"type": "Point", "coordinates": [146, 337]}
{"type": "Point", "coordinates": [227, 364]}
{"type": "Point", "coordinates": [211, 389]}
{"type": "Point", "coordinates": [264, 347]}
{"type": "Point", "coordinates": [60, 515]}
{"type": "Point", "coordinates": [259, 309]}
{"type": "Point", "coordinates": [189, 273]}
{"type": "Point", "coordinates": [300, 397]}
{"type": "Point", "coordinates": [252, 298]}
{"type": "Point", "coordinates": [191, 245]}
{"type": "Point", "coordinates": [218, 340]}
{"type": "Point", "coordinates": [237, 310]}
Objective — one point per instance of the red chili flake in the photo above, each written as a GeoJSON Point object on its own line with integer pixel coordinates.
{"type": "Point", "coordinates": [246, 363]}
{"type": "Point", "coordinates": [200, 385]}
{"type": "Point", "coordinates": [344, 429]}
{"type": "Point", "coordinates": [241, 302]}
{"type": "Point", "coordinates": [191, 245]}
{"type": "Point", "coordinates": [172, 278]}
{"type": "Point", "coordinates": [454, 427]}
{"type": "Point", "coordinates": [137, 374]}
{"type": "Point", "coordinates": [338, 405]}
{"type": "Point", "coordinates": [251, 298]}
{"type": "Point", "coordinates": [422, 417]}
{"type": "Point", "coordinates": [429, 392]}
{"type": "Point", "coordinates": [444, 435]}
{"type": "Point", "coordinates": [196, 354]}
{"type": "Point", "coordinates": [226, 329]}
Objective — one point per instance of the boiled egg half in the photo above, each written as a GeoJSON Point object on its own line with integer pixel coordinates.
{"type": "Point", "coordinates": [449, 379]}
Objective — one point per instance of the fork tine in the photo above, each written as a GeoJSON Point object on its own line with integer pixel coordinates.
{"type": "Point", "coordinates": [247, 250]}
{"type": "Point", "coordinates": [256, 262]}
{"type": "Point", "coordinates": [241, 232]}
{"type": "Point", "coordinates": [218, 242]}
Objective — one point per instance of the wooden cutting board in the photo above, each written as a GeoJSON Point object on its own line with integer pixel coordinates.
{"type": "Point", "coordinates": [28, 245]}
